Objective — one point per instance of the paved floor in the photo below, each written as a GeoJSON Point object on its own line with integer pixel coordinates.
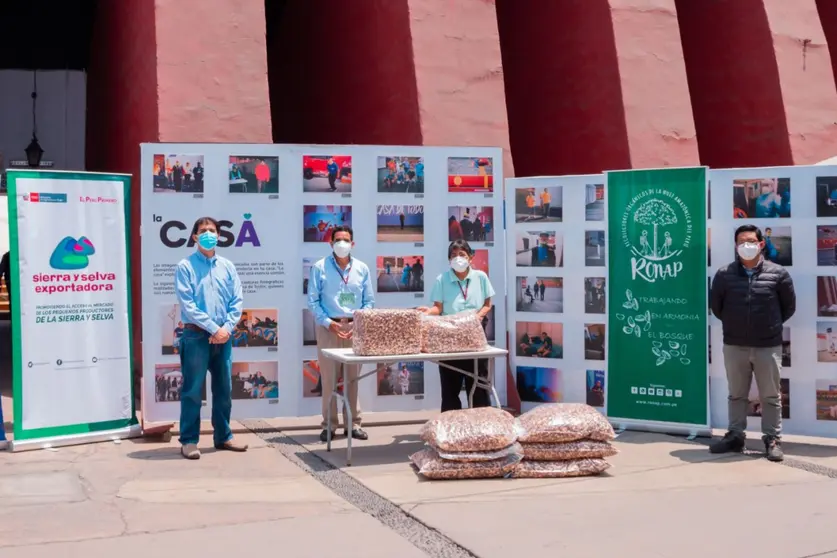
{"type": "Point", "coordinates": [664, 497]}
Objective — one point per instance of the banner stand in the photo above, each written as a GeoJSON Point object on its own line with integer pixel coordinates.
{"type": "Point", "coordinates": [2, 430]}
{"type": "Point", "coordinates": [134, 431]}
{"type": "Point", "coordinates": [691, 431]}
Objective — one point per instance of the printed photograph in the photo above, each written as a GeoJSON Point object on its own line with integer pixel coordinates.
{"type": "Point", "coordinates": [539, 340]}
{"type": "Point", "coordinates": [778, 247]}
{"type": "Point", "coordinates": [539, 385]}
{"type": "Point", "coordinates": [327, 173]}
{"type": "Point", "coordinates": [786, 347]}
{"type": "Point", "coordinates": [401, 378]}
{"type": "Point", "coordinates": [827, 245]}
{"type": "Point", "coordinates": [306, 272]}
{"type": "Point", "coordinates": [309, 329]}
{"type": "Point", "coordinates": [761, 198]}
{"type": "Point", "coordinates": [400, 274]}
{"type": "Point", "coordinates": [827, 297]}
{"type": "Point", "coordinates": [594, 248]}
{"type": "Point", "coordinates": [255, 380]}
{"type": "Point", "coordinates": [480, 260]}
{"type": "Point", "coordinates": [594, 207]}
{"type": "Point", "coordinates": [254, 174]}
{"type": "Point", "coordinates": [312, 384]}
{"type": "Point", "coordinates": [258, 327]}
{"type": "Point", "coordinates": [474, 224]}
{"type": "Point", "coordinates": [827, 196]}
{"type": "Point", "coordinates": [470, 174]}
{"type": "Point", "coordinates": [594, 341]}
{"type": "Point", "coordinates": [489, 325]}
{"type": "Point", "coordinates": [826, 399]}
{"type": "Point", "coordinates": [178, 174]}
{"type": "Point", "coordinates": [167, 383]}
{"type": "Point", "coordinates": [596, 388]}
{"type": "Point", "coordinates": [400, 223]}
{"type": "Point", "coordinates": [401, 175]}
{"type": "Point", "coordinates": [539, 249]}
{"type": "Point", "coordinates": [754, 407]}
{"type": "Point", "coordinates": [540, 294]}
{"type": "Point", "coordinates": [594, 295]}
{"type": "Point", "coordinates": [544, 204]}
{"type": "Point", "coordinates": [171, 328]}
{"type": "Point", "coordinates": [319, 220]}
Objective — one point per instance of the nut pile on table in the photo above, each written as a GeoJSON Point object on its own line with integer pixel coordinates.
{"type": "Point", "coordinates": [550, 441]}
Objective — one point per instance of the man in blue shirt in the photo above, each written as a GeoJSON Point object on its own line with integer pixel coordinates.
{"type": "Point", "coordinates": [337, 286]}
{"type": "Point", "coordinates": [332, 169]}
{"type": "Point", "coordinates": [209, 294]}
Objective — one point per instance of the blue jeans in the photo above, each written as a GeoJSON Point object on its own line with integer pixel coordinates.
{"type": "Point", "coordinates": [197, 356]}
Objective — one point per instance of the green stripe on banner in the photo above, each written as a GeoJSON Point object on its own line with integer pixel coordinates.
{"type": "Point", "coordinates": [657, 315]}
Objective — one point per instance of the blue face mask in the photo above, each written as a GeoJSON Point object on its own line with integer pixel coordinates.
{"type": "Point", "coordinates": [208, 240]}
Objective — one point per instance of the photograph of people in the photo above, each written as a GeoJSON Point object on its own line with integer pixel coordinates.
{"type": "Point", "coordinates": [761, 198]}
{"type": "Point", "coordinates": [210, 297]}
{"type": "Point", "coordinates": [319, 221]}
{"type": "Point", "coordinates": [475, 224]}
{"type": "Point", "coordinates": [327, 173]}
{"type": "Point", "coordinates": [827, 196]}
{"type": "Point", "coordinates": [595, 388]}
{"type": "Point", "coordinates": [540, 294]}
{"type": "Point", "coordinates": [542, 203]}
{"type": "Point", "coordinates": [401, 378]}
{"type": "Point", "coordinates": [461, 289]}
{"type": "Point", "coordinates": [257, 328]}
{"type": "Point", "coordinates": [539, 249]}
{"type": "Point", "coordinates": [254, 174]}
{"type": "Point", "coordinates": [594, 341]}
{"type": "Point", "coordinates": [178, 174]}
{"type": "Point", "coordinates": [540, 340]}
{"type": "Point", "coordinates": [594, 208]}
{"type": "Point", "coordinates": [594, 295]}
{"type": "Point", "coordinates": [753, 297]}
{"type": "Point", "coordinates": [339, 284]}
{"type": "Point", "coordinates": [539, 385]}
{"type": "Point", "coordinates": [401, 174]}
{"type": "Point", "coordinates": [255, 380]}
{"type": "Point", "coordinates": [827, 245]}
{"type": "Point", "coordinates": [312, 383]}
{"type": "Point", "coordinates": [400, 274]}
{"type": "Point", "coordinates": [826, 341]}
{"type": "Point", "coordinates": [171, 328]}
{"type": "Point", "coordinates": [167, 383]}
{"type": "Point", "coordinates": [400, 223]}
{"type": "Point", "coordinates": [594, 242]}
{"type": "Point", "coordinates": [470, 174]}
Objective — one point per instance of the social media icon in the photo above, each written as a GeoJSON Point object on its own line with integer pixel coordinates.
{"type": "Point", "coordinates": [669, 393]}
{"type": "Point", "coordinates": [634, 390]}
{"type": "Point", "coordinates": [678, 393]}
{"type": "Point", "coordinates": [642, 391]}
{"type": "Point", "coordinates": [660, 392]}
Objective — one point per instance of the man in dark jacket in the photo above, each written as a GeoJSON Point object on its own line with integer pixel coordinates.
{"type": "Point", "coordinates": [753, 298]}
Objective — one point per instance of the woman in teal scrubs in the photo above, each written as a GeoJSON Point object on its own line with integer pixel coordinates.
{"type": "Point", "coordinates": [461, 289]}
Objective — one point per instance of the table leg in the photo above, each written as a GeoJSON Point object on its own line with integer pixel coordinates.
{"type": "Point", "coordinates": [491, 373]}
{"type": "Point", "coordinates": [474, 384]}
{"type": "Point", "coordinates": [328, 414]}
{"type": "Point", "coordinates": [348, 417]}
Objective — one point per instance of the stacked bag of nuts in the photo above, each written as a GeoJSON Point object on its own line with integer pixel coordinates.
{"type": "Point", "coordinates": [550, 441]}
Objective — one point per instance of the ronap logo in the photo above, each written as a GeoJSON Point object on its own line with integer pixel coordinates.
{"type": "Point", "coordinates": [649, 231]}
{"type": "Point", "coordinates": [246, 233]}
{"type": "Point", "coordinates": [72, 254]}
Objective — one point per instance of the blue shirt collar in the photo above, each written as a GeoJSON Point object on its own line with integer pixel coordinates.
{"type": "Point", "coordinates": [204, 259]}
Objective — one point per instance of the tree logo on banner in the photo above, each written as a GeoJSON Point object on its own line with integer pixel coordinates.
{"type": "Point", "coordinates": [656, 227]}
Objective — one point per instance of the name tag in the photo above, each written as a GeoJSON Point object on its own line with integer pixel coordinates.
{"type": "Point", "coordinates": [346, 299]}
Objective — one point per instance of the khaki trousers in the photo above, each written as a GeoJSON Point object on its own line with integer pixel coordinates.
{"type": "Point", "coordinates": [328, 340]}
{"type": "Point", "coordinates": [765, 363]}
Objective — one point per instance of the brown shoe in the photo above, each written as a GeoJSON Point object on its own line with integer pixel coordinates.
{"type": "Point", "coordinates": [190, 451]}
{"type": "Point", "coordinates": [231, 445]}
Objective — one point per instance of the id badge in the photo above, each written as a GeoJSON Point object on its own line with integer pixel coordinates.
{"type": "Point", "coordinates": [346, 299]}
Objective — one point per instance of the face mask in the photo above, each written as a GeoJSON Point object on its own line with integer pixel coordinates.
{"type": "Point", "coordinates": [342, 248]}
{"type": "Point", "coordinates": [460, 264]}
{"type": "Point", "coordinates": [748, 251]}
{"type": "Point", "coordinates": [207, 240]}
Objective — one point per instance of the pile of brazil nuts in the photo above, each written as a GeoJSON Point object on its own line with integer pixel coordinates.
{"type": "Point", "coordinates": [432, 466]}
{"type": "Point", "coordinates": [381, 332]}
{"type": "Point", "coordinates": [557, 469]}
{"type": "Point", "coordinates": [455, 333]}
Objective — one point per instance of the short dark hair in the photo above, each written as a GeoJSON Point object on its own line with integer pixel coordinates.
{"type": "Point", "coordinates": [747, 229]}
{"type": "Point", "coordinates": [459, 245]}
{"type": "Point", "coordinates": [343, 228]}
{"type": "Point", "coordinates": [203, 221]}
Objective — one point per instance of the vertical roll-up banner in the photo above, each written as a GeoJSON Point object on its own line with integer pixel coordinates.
{"type": "Point", "coordinates": [71, 308]}
{"type": "Point", "coordinates": [657, 320]}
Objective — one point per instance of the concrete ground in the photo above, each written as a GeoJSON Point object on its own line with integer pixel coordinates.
{"type": "Point", "coordinates": [664, 497]}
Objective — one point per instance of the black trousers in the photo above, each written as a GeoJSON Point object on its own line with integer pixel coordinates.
{"type": "Point", "coordinates": [451, 383]}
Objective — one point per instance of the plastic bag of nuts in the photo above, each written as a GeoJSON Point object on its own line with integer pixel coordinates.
{"type": "Point", "coordinates": [476, 456]}
{"type": "Point", "coordinates": [455, 333]}
{"type": "Point", "coordinates": [431, 466]}
{"type": "Point", "coordinates": [563, 451]}
{"type": "Point", "coordinates": [564, 422]}
{"type": "Point", "coordinates": [482, 429]}
{"type": "Point", "coordinates": [558, 469]}
{"type": "Point", "coordinates": [380, 332]}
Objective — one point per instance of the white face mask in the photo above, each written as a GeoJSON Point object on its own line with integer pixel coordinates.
{"type": "Point", "coordinates": [748, 251]}
{"type": "Point", "coordinates": [342, 248]}
{"type": "Point", "coordinates": [460, 264]}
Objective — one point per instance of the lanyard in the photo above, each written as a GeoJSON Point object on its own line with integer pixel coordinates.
{"type": "Point", "coordinates": [465, 290]}
{"type": "Point", "coordinates": [344, 278]}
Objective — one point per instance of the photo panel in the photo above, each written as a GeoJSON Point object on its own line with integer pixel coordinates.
{"type": "Point", "coordinates": [171, 329]}
{"type": "Point", "coordinates": [826, 399]}
{"type": "Point", "coordinates": [778, 247]}
{"type": "Point", "coordinates": [401, 175]}
{"type": "Point", "coordinates": [489, 325]}
{"type": "Point", "coordinates": [543, 204]}
{"type": "Point", "coordinates": [307, 263]}
{"type": "Point", "coordinates": [400, 274]}
{"type": "Point", "coordinates": [401, 378]}
{"type": "Point", "coordinates": [253, 174]}
{"type": "Point", "coordinates": [827, 244]}
{"type": "Point", "coordinates": [539, 249]}
{"type": "Point", "coordinates": [309, 329]}
{"type": "Point", "coordinates": [258, 327]}
{"type": "Point", "coordinates": [471, 223]}
{"type": "Point", "coordinates": [327, 173]}
{"type": "Point", "coordinates": [318, 221]}
{"type": "Point", "coordinates": [594, 295]}
{"type": "Point", "coordinates": [540, 294]}
{"type": "Point", "coordinates": [827, 341]}
{"type": "Point", "coordinates": [826, 196]}
{"type": "Point", "coordinates": [594, 249]}
{"type": "Point", "coordinates": [178, 174]}
{"type": "Point", "coordinates": [827, 296]}
{"type": "Point", "coordinates": [594, 341]}
{"type": "Point", "coordinates": [594, 206]}
{"type": "Point", "coordinates": [539, 340]}
{"type": "Point", "coordinates": [400, 223]}
{"type": "Point", "coordinates": [470, 174]}
{"type": "Point", "coordinates": [539, 385]}
{"type": "Point", "coordinates": [596, 388]}
{"type": "Point", "coordinates": [255, 380]}
{"type": "Point", "coordinates": [168, 381]}
{"type": "Point", "coordinates": [761, 198]}
{"type": "Point", "coordinates": [312, 384]}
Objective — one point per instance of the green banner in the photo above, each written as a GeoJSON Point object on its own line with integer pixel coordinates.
{"type": "Point", "coordinates": [657, 318]}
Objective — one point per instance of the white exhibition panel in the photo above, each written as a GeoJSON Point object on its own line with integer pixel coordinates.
{"type": "Point", "coordinates": [272, 271]}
